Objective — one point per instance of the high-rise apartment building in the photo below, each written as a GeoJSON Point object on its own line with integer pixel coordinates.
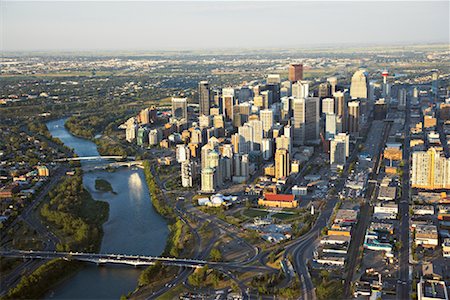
{"type": "Point", "coordinates": [430, 170]}
{"type": "Point", "coordinates": [188, 173]}
{"type": "Point", "coordinates": [282, 163]}
{"type": "Point", "coordinates": [204, 97]}
{"type": "Point", "coordinates": [208, 180]}
{"type": "Point", "coordinates": [295, 72]}
{"type": "Point", "coordinates": [337, 153]}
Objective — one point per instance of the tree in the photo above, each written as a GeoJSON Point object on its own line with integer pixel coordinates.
{"type": "Point", "coordinates": [215, 254]}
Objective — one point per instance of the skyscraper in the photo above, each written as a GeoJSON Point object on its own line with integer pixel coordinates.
{"type": "Point", "coordinates": [208, 180]}
{"type": "Point", "coordinates": [341, 108]}
{"type": "Point", "coordinates": [330, 126]}
{"type": "Point", "coordinates": [300, 89]}
{"type": "Point", "coordinates": [333, 84]}
{"type": "Point", "coordinates": [273, 78]}
{"type": "Point", "coordinates": [328, 106]}
{"type": "Point", "coordinates": [306, 118]}
{"type": "Point", "coordinates": [258, 134]}
{"type": "Point", "coordinates": [228, 104]}
{"type": "Point", "coordinates": [401, 98]}
{"type": "Point", "coordinates": [179, 109]}
{"type": "Point", "coordinates": [245, 138]}
{"type": "Point", "coordinates": [282, 163]}
{"type": "Point", "coordinates": [266, 116]}
{"type": "Point", "coordinates": [295, 72]}
{"type": "Point", "coordinates": [204, 97]}
{"type": "Point", "coordinates": [337, 152]}
{"type": "Point", "coordinates": [360, 85]}
{"type": "Point", "coordinates": [324, 90]}
{"type": "Point", "coordinates": [353, 116]}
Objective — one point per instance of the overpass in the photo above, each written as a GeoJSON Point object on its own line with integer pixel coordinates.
{"type": "Point", "coordinates": [94, 158]}
{"type": "Point", "coordinates": [133, 260]}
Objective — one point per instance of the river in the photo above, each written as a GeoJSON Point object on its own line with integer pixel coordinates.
{"type": "Point", "coordinates": [133, 227]}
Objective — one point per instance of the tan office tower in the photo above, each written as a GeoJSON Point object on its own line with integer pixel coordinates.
{"type": "Point", "coordinates": [235, 138]}
{"type": "Point", "coordinates": [144, 116]}
{"type": "Point", "coordinates": [295, 72]}
{"type": "Point", "coordinates": [266, 116]}
{"type": "Point", "coordinates": [204, 97]}
{"type": "Point", "coordinates": [283, 142]}
{"type": "Point", "coordinates": [430, 170]}
{"type": "Point", "coordinates": [341, 108]}
{"type": "Point", "coordinates": [282, 163]}
{"type": "Point", "coordinates": [328, 106]}
{"type": "Point", "coordinates": [273, 78]}
{"type": "Point", "coordinates": [258, 133]}
{"type": "Point", "coordinates": [179, 109]}
{"type": "Point", "coordinates": [353, 116]}
{"type": "Point", "coordinates": [333, 84]}
{"type": "Point", "coordinates": [359, 87]}
{"type": "Point", "coordinates": [324, 90]}
{"type": "Point", "coordinates": [300, 89]}
{"type": "Point", "coordinates": [228, 103]}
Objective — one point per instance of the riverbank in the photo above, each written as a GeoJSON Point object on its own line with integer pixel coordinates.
{"type": "Point", "coordinates": [77, 219]}
{"type": "Point", "coordinates": [179, 236]}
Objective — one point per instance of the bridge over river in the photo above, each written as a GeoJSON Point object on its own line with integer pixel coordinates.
{"type": "Point", "coordinates": [132, 260]}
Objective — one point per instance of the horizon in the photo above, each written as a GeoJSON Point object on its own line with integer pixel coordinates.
{"type": "Point", "coordinates": [39, 26]}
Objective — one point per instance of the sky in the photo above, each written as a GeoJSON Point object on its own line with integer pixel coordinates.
{"type": "Point", "coordinates": [146, 25]}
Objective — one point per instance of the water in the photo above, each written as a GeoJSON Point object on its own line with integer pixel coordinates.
{"type": "Point", "coordinates": [133, 227]}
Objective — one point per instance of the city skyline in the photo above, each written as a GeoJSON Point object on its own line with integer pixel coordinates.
{"type": "Point", "coordinates": [187, 25]}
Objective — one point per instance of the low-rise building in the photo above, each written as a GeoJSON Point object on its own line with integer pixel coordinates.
{"type": "Point", "coordinates": [278, 200]}
{"type": "Point", "coordinates": [387, 193]}
{"type": "Point", "coordinates": [446, 247]}
{"type": "Point", "coordinates": [431, 290]}
{"type": "Point", "coordinates": [386, 207]}
{"type": "Point", "coordinates": [426, 235]}
{"type": "Point", "coordinates": [346, 216]}
{"type": "Point", "coordinates": [423, 210]}
{"type": "Point", "coordinates": [335, 240]}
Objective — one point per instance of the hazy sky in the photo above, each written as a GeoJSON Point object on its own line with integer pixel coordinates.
{"type": "Point", "coordinates": [122, 25]}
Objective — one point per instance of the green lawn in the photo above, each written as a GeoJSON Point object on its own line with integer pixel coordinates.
{"type": "Point", "coordinates": [283, 216]}
{"type": "Point", "coordinates": [253, 213]}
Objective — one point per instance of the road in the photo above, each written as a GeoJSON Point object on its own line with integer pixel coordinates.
{"type": "Point", "coordinates": [27, 216]}
{"type": "Point", "coordinates": [356, 244]}
{"type": "Point", "coordinates": [405, 286]}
